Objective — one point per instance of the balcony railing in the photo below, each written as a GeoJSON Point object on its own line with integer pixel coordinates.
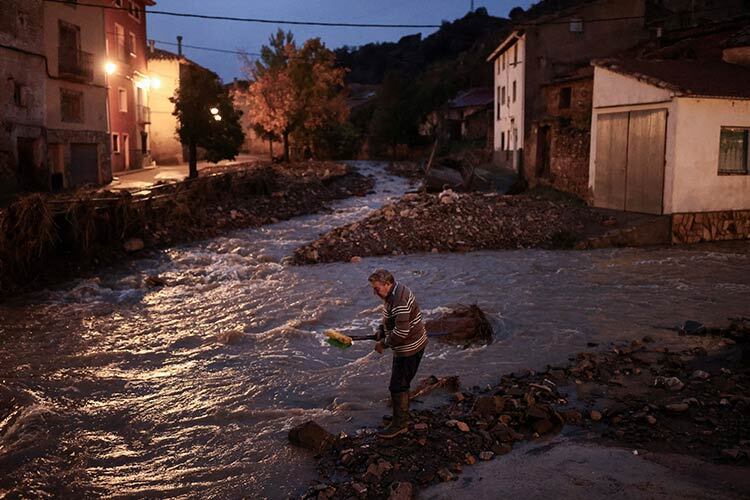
{"type": "Point", "coordinates": [143, 114]}
{"type": "Point", "coordinates": [75, 64]}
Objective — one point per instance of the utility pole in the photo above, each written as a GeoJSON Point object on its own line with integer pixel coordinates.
{"type": "Point", "coordinates": [472, 6]}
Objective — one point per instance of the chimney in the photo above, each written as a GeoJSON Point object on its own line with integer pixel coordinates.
{"type": "Point", "coordinates": [179, 45]}
{"type": "Point", "coordinates": [151, 46]}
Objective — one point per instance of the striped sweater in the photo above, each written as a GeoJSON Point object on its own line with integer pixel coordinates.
{"type": "Point", "coordinates": [402, 319]}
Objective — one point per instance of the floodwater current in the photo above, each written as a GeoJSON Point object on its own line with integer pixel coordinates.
{"type": "Point", "coordinates": [111, 388]}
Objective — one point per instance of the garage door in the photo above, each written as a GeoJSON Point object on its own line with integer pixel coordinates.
{"type": "Point", "coordinates": [630, 161]}
{"type": "Point", "coordinates": [84, 164]}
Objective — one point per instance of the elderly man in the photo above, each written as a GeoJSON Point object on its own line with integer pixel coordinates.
{"type": "Point", "coordinates": [403, 332]}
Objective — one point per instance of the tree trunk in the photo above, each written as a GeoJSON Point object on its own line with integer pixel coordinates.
{"type": "Point", "coordinates": [286, 146]}
{"type": "Point", "coordinates": [193, 159]}
{"type": "Point", "coordinates": [270, 148]}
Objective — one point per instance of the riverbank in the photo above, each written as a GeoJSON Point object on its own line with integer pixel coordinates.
{"type": "Point", "coordinates": [460, 222]}
{"type": "Point", "coordinates": [692, 401]}
{"type": "Point", "coordinates": [50, 238]}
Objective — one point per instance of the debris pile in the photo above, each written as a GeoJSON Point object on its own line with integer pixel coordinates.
{"type": "Point", "coordinates": [454, 222]}
{"type": "Point", "coordinates": [692, 401]}
{"type": "Point", "coordinates": [89, 228]}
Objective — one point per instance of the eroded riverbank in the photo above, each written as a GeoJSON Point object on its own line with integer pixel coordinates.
{"type": "Point", "coordinates": [122, 389]}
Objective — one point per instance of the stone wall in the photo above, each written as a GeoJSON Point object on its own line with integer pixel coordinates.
{"type": "Point", "coordinates": [710, 226]}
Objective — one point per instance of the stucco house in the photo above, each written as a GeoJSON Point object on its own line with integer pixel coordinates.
{"type": "Point", "coordinates": [672, 137]}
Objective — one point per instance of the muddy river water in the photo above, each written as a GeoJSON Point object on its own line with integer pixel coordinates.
{"type": "Point", "coordinates": [113, 388]}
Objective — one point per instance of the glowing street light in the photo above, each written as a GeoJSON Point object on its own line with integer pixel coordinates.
{"type": "Point", "coordinates": [217, 118]}
{"type": "Point", "coordinates": [155, 82]}
{"type": "Point", "coordinates": [110, 67]}
{"type": "Point", "coordinates": [214, 111]}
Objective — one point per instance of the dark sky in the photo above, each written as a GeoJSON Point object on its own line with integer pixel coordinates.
{"type": "Point", "coordinates": [250, 36]}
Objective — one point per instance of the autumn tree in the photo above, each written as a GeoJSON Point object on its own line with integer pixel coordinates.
{"type": "Point", "coordinates": [296, 91]}
{"type": "Point", "coordinates": [218, 132]}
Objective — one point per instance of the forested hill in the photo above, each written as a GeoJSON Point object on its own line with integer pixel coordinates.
{"type": "Point", "coordinates": [470, 39]}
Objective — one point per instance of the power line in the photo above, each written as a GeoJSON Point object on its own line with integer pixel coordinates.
{"type": "Point", "coordinates": [255, 20]}
{"type": "Point", "coordinates": [210, 49]}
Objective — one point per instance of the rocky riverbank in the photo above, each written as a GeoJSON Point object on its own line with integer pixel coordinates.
{"type": "Point", "coordinates": [48, 238]}
{"type": "Point", "coordinates": [643, 396]}
{"type": "Point", "coordinates": [458, 222]}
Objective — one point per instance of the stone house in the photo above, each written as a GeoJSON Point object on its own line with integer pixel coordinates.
{"type": "Point", "coordinates": [23, 79]}
{"type": "Point", "coordinates": [129, 83]}
{"type": "Point", "coordinates": [672, 137]}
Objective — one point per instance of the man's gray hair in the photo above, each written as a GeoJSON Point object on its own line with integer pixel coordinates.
{"type": "Point", "coordinates": [381, 276]}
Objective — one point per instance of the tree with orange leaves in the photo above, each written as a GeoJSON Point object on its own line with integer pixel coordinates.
{"type": "Point", "coordinates": [296, 91]}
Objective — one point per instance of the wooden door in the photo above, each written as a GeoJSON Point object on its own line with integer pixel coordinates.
{"type": "Point", "coordinates": [611, 160]}
{"type": "Point", "coordinates": [645, 176]}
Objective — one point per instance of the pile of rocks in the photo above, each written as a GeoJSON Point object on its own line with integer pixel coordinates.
{"type": "Point", "coordinates": [453, 222]}
{"type": "Point", "coordinates": [636, 395]}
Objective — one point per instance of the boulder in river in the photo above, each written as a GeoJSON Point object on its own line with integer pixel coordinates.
{"type": "Point", "coordinates": [463, 324]}
{"type": "Point", "coordinates": [312, 436]}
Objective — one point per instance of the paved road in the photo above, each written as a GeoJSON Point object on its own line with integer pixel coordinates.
{"type": "Point", "coordinates": [146, 177]}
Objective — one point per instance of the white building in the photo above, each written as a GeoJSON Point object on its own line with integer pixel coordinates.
{"type": "Point", "coordinates": [672, 137]}
{"type": "Point", "coordinates": [509, 71]}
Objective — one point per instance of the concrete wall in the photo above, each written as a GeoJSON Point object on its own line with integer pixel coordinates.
{"type": "Point", "coordinates": [697, 184]}
{"type": "Point", "coordinates": [165, 146]}
{"type": "Point", "coordinates": [510, 120]}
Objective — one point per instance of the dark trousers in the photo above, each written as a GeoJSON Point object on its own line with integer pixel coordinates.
{"type": "Point", "coordinates": [403, 371]}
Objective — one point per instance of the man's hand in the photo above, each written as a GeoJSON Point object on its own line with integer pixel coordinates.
{"type": "Point", "coordinates": [379, 347]}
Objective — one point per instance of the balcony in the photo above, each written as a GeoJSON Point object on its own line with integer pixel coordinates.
{"type": "Point", "coordinates": [75, 64]}
{"type": "Point", "coordinates": [143, 114]}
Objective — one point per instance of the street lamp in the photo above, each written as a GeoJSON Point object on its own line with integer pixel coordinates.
{"type": "Point", "coordinates": [110, 67]}
{"type": "Point", "coordinates": [155, 82]}
{"type": "Point", "coordinates": [214, 111]}
{"type": "Point", "coordinates": [217, 118]}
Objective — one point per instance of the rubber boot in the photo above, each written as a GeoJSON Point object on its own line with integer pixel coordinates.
{"type": "Point", "coordinates": [400, 422]}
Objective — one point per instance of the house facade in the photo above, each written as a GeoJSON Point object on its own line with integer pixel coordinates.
{"type": "Point", "coordinates": [672, 137]}
{"type": "Point", "coordinates": [129, 83]}
{"type": "Point", "coordinates": [76, 95]}
{"type": "Point", "coordinates": [22, 99]}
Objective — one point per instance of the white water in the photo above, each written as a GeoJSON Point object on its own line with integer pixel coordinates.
{"type": "Point", "coordinates": [110, 388]}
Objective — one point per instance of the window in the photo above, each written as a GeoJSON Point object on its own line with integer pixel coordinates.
{"type": "Point", "coordinates": [134, 10]}
{"type": "Point", "coordinates": [120, 41]}
{"type": "Point", "coordinates": [502, 141]}
{"type": "Point", "coordinates": [118, 3]}
{"type": "Point", "coordinates": [565, 94]}
{"type": "Point", "coordinates": [503, 60]}
{"type": "Point", "coordinates": [576, 25]}
{"type": "Point", "coordinates": [131, 43]}
{"type": "Point", "coordinates": [499, 102]}
{"type": "Point", "coordinates": [733, 150]}
{"type": "Point", "coordinates": [71, 106]}
{"type": "Point", "coordinates": [122, 100]}
{"type": "Point", "coordinates": [20, 94]}
{"type": "Point", "coordinates": [515, 54]}
{"type": "Point", "coordinates": [514, 91]}
{"type": "Point", "coordinates": [503, 96]}
{"type": "Point", "coordinates": [116, 143]}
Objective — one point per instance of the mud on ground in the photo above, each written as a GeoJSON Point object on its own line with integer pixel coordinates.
{"type": "Point", "coordinates": [693, 401]}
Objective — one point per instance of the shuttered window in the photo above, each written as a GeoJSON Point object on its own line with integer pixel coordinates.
{"type": "Point", "coordinates": [733, 150]}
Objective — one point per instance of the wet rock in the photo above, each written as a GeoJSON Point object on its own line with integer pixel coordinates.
{"type": "Point", "coordinates": [401, 491]}
{"type": "Point", "coordinates": [359, 488]}
{"type": "Point", "coordinates": [445, 475]}
{"type": "Point", "coordinates": [154, 281]}
{"type": "Point", "coordinates": [486, 455]}
{"type": "Point", "coordinates": [732, 453]}
{"type": "Point", "coordinates": [501, 449]}
{"type": "Point", "coordinates": [677, 407]}
{"type": "Point", "coordinates": [231, 337]}
{"type": "Point", "coordinates": [461, 426]}
{"type": "Point", "coordinates": [470, 460]}
{"type": "Point", "coordinates": [355, 260]}
{"type": "Point", "coordinates": [595, 415]}
{"type": "Point", "coordinates": [311, 436]}
{"type": "Point", "coordinates": [573, 417]}
{"type": "Point", "coordinates": [133, 245]}
{"type": "Point", "coordinates": [420, 426]}
{"type": "Point", "coordinates": [651, 419]}
{"type": "Point", "coordinates": [700, 375]}
{"type": "Point", "coordinates": [489, 405]}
